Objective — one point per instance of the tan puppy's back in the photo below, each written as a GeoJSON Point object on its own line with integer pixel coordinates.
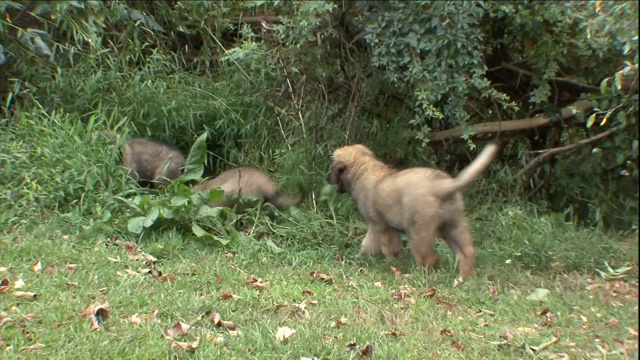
{"type": "Point", "coordinates": [246, 181]}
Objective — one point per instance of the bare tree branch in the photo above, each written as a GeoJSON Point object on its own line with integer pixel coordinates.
{"type": "Point", "coordinates": [581, 106]}
{"type": "Point", "coordinates": [537, 161]}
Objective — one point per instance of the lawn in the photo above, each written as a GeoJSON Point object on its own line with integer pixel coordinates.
{"type": "Point", "coordinates": [296, 288]}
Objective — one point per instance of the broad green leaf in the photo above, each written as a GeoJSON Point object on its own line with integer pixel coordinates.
{"type": "Point", "coordinates": [216, 194]}
{"type": "Point", "coordinates": [195, 160]}
{"type": "Point", "coordinates": [135, 224]}
{"type": "Point", "coordinates": [539, 294]}
{"type": "Point", "coordinates": [167, 213]}
{"type": "Point", "coordinates": [151, 217]}
{"type": "Point", "coordinates": [207, 211]}
{"type": "Point", "coordinates": [179, 200]}
{"type": "Point", "coordinates": [203, 234]}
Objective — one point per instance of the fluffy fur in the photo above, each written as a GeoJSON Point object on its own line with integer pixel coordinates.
{"type": "Point", "coordinates": [422, 202]}
{"type": "Point", "coordinates": [246, 182]}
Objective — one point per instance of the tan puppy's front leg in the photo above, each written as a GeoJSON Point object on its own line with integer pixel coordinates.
{"type": "Point", "coordinates": [371, 243]}
{"type": "Point", "coordinates": [390, 242]}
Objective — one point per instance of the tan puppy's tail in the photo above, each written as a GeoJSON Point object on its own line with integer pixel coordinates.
{"type": "Point", "coordinates": [469, 174]}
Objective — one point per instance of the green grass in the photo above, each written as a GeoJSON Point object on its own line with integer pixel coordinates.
{"type": "Point", "coordinates": [487, 316]}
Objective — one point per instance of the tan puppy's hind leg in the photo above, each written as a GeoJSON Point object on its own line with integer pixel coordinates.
{"type": "Point", "coordinates": [371, 243]}
{"type": "Point", "coordinates": [422, 244]}
{"type": "Point", "coordinates": [390, 241]}
{"type": "Point", "coordinates": [458, 237]}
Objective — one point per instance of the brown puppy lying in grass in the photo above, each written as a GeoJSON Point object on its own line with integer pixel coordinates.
{"type": "Point", "coordinates": [422, 202]}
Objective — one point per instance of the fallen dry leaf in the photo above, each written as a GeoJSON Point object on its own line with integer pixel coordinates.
{"type": "Point", "coordinates": [71, 266]}
{"type": "Point", "coordinates": [115, 259]}
{"type": "Point", "coordinates": [187, 346]}
{"type": "Point", "coordinates": [96, 312]}
{"type": "Point", "coordinates": [70, 285]}
{"type": "Point", "coordinates": [214, 339]}
{"type": "Point", "coordinates": [456, 345]}
{"type": "Point", "coordinates": [37, 266]}
{"type": "Point", "coordinates": [397, 273]}
{"type": "Point", "coordinates": [218, 279]}
{"type": "Point", "coordinates": [216, 319]}
{"type": "Point", "coordinates": [446, 332]}
{"type": "Point", "coordinates": [307, 292]}
{"type": "Point", "coordinates": [340, 322]}
{"type": "Point", "coordinates": [284, 333]}
{"type": "Point", "coordinates": [366, 351]}
{"type": "Point", "coordinates": [4, 285]}
{"type": "Point", "coordinates": [25, 295]}
{"type": "Point", "coordinates": [430, 292]}
{"type": "Point", "coordinates": [229, 255]}
{"type": "Point", "coordinates": [256, 283]}
{"type": "Point", "coordinates": [135, 319]}
{"type": "Point", "coordinates": [4, 270]}
{"type": "Point", "coordinates": [51, 270]}
{"type": "Point", "coordinates": [179, 328]}
{"type": "Point", "coordinates": [167, 278]}
{"type": "Point", "coordinates": [19, 284]}
{"type": "Point", "coordinates": [321, 276]}
{"type": "Point", "coordinates": [392, 332]}
{"type": "Point", "coordinates": [352, 345]}
{"type": "Point", "coordinates": [377, 284]}
{"type": "Point", "coordinates": [633, 331]}
{"type": "Point", "coordinates": [506, 336]}
{"type": "Point", "coordinates": [227, 296]}
{"type": "Point", "coordinates": [32, 348]}
{"type": "Point", "coordinates": [129, 247]}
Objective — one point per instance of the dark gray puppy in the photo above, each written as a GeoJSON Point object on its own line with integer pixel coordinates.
{"type": "Point", "coordinates": [152, 162]}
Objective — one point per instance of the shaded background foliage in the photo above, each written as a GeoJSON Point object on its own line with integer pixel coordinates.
{"type": "Point", "coordinates": [280, 84]}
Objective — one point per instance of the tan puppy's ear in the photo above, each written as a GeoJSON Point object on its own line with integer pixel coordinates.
{"type": "Point", "coordinates": [335, 176]}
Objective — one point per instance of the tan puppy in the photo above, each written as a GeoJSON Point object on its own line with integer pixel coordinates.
{"type": "Point", "coordinates": [247, 182]}
{"type": "Point", "coordinates": [422, 202]}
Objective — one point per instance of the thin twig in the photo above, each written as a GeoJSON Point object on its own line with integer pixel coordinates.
{"type": "Point", "coordinates": [536, 162]}
{"type": "Point", "coordinates": [554, 79]}
{"type": "Point", "coordinates": [293, 97]}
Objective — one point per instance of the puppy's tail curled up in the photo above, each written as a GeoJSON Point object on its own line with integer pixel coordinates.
{"type": "Point", "coordinates": [469, 174]}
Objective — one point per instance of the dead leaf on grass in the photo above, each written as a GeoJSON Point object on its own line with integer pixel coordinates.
{"type": "Point", "coordinates": [25, 295]}
{"type": "Point", "coordinates": [70, 285]}
{"type": "Point", "coordinates": [321, 276]}
{"type": "Point", "coordinates": [393, 332]}
{"type": "Point", "coordinates": [71, 266]}
{"type": "Point", "coordinates": [115, 259]}
{"type": "Point", "coordinates": [32, 348]}
{"type": "Point", "coordinates": [5, 285]}
{"type": "Point", "coordinates": [135, 319]}
{"type": "Point", "coordinates": [352, 345]}
{"type": "Point", "coordinates": [128, 246]}
{"type": "Point", "coordinates": [179, 328]}
{"type": "Point", "coordinates": [340, 322]}
{"type": "Point", "coordinates": [446, 332]}
{"type": "Point", "coordinates": [167, 278]}
{"type": "Point", "coordinates": [366, 351]}
{"type": "Point", "coordinates": [187, 346]}
{"type": "Point", "coordinates": [96, 312]}
{"type": "Point", "coordinates": [256, 283]}
{"type": "Point", "coordinates": [37, 266]}
{"type": "Point", "coordinates": [283, 333]}
{"type": "Point", "coordinates": [227, 296]}
{"type": "Point", "coordinates": [397, 273]}
{"type": "Point", "coordinates": [215, 318]}
{"type": "Point", "coordinates": [214, 339]}
{"type": "Point", "coordinates": [430, 292]}
{"type": "Point", "coordinates": [4, 270]}
{"type": "Point", "coordinates": [456, 345]}
{"type": "Point", "coordinates": [307, 292]}
{"type": "Point", "coordinates": [633, 331]}
{"type": "Point", "coordinates": [377, 284]}
{"type": "Point", "coordinates": [218, 279]}
{"type": "Point", "coordinates": [51, 270]}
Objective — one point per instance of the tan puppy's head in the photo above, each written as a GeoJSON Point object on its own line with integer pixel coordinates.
{"type": "Point", "coordinates": [346, 160]}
